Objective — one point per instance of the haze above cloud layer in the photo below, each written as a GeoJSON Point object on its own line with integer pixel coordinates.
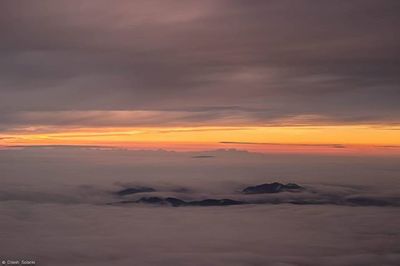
{"type": "Point", "coordinates": [199, 62]}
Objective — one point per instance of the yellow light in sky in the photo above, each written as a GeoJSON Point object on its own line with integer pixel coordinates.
{"type": "Point", "coordinates": [209, 137]}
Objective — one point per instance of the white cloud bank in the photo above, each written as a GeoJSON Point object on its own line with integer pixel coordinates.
{"type": "Point", "coordinates": [52, 211]}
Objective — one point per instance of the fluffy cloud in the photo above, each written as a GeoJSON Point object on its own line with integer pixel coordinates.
{"type": "Point", "coordinates": [52, 209]}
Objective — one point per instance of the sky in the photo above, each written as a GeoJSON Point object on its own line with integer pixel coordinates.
{"type": "Point", "coordinates": [259, 75]}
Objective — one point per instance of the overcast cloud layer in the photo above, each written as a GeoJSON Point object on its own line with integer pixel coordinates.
{"type": "Point", "coordinates": [257, 62]}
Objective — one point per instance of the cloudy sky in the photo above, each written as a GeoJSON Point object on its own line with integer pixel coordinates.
{"type": "Point", "coordinates": [107, 72]}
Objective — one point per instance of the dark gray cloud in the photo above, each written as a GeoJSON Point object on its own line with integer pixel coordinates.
{"type": "Point", "coordinates": [268, 59]}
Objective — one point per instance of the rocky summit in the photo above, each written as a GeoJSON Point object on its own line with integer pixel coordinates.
{"type": "Point", "coordinates": [178, 202]}
{"type": "Point", "coordinates": [134, 190]}
{"type": "Point", "coordinates": [272, 188]}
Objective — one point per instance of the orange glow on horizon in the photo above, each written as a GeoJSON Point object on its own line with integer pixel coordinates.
{"type": "Point", "coordinates": [337, 139]}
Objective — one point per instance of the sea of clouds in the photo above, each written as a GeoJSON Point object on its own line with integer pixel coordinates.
{"type": "Point", "coordinates": [54, 208]}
